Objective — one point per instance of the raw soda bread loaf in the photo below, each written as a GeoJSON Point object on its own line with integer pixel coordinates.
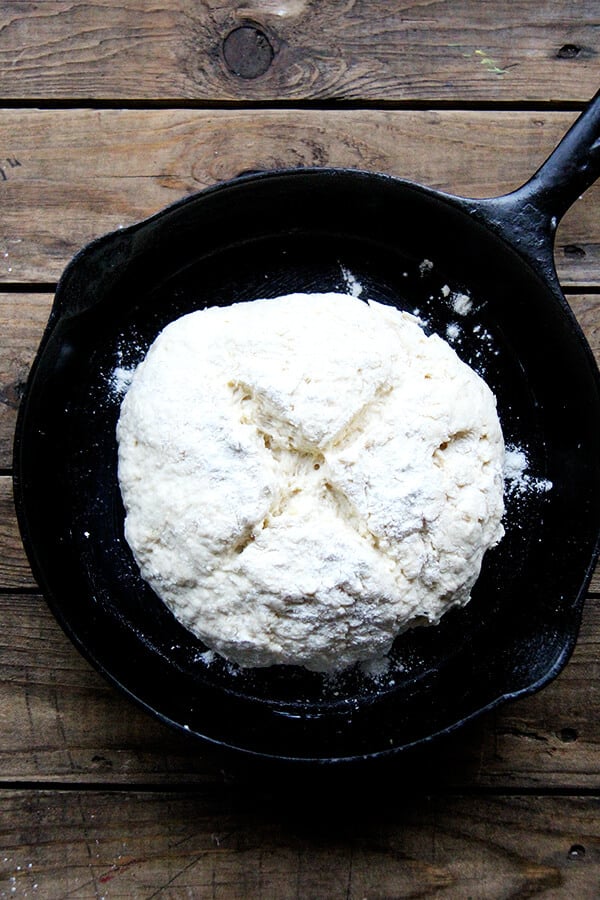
{"type": "Point", "coordinates": [306, 477]}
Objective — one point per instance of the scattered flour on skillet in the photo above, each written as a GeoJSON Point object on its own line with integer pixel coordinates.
{"type": "Point", "coordinates": [351, 282]}
{"type": "Point", "coordinates": [128, 357]}
{"type": "Point", "coordinates": [306, 477]}
{"type": "Point", "coordinates": [518, 478]}
{"type": "Point", "coordinates": [120, 380]}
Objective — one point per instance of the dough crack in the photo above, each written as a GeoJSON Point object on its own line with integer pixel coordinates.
{"type": "Point", "coordinates": [348, 513]}
{"type": "Point", "coordinates": [360, 421]}
{"type": "Point", "coordinates": [299, 467]}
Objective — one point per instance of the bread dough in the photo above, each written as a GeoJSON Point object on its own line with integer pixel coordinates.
{"type": "Point", "coordinates": [306, 477]}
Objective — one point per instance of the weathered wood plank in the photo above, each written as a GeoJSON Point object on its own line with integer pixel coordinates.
{"type": "Point", "coordinates": [22, 321]}
{"type": "Point", "coordinates": [297, 50]}
{"type": "Point", "coordinates": [96, 844]}
{"type": "Point", "coordinates": [587, 310]}
{"type": "Point", "coordinates": [62, 722]}
{"type": "Point", "coordinates": [14, 566]}
{"type": "Point", "coordinates": [71, 175]}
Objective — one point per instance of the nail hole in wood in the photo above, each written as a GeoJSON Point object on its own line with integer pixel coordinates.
{"type": "Point", "coordinates": [247, 52]}
{"type": "Point", "coordinates": [568, 51]}
{"type": "Point", "coordinates": [573, 250]}
{"type": "Point", "coordinates": [12, 394]}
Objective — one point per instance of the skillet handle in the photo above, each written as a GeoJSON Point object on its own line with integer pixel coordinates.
{"type": "Point", "coordinates": [528, 217]}
{"type": "Point", "coordinates": [570, 169]}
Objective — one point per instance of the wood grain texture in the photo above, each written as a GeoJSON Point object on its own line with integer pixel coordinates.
{"type": "Point", "coordinates": [62, 722]}
{"type": "Point", "coordinates": [174, 845]}
{"type": "Point", "coordinates": [23, 318]}
{"type": "Point", "coordinates": [338, 50]}
{"type": "Point", "coordinates": [72, 175]}
{"type": "Point", "coordinates": [14, 566]}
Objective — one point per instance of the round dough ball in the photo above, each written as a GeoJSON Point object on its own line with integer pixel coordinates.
{"type": "Point", "coordinates": [306, 477]}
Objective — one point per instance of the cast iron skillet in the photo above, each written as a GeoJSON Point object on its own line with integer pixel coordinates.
{"type": "Point", "coordinates": [306, 230]}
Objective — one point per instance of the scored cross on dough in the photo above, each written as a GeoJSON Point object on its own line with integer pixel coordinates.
{"type": "Point", "coordinates": [301, 464]}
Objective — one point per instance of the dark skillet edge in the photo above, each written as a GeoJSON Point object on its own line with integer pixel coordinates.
{"type": "Point", "coordinates": [349, 763]}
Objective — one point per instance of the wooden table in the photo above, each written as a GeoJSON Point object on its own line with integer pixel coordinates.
{"type": "Point", "coordinates": [111, 110]}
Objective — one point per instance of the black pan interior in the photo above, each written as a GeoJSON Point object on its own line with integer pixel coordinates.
{"type": "Point", "coordinates": [262, 237]}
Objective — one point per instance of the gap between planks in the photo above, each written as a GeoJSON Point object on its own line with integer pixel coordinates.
{"type": "Point", "coordinates": [316, 105]}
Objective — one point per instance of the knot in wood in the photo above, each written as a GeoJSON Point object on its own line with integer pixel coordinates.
{"type": "Point", "coordinates": [568, 51]}
{"type": "Point", "coordinates": [247, 51]}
